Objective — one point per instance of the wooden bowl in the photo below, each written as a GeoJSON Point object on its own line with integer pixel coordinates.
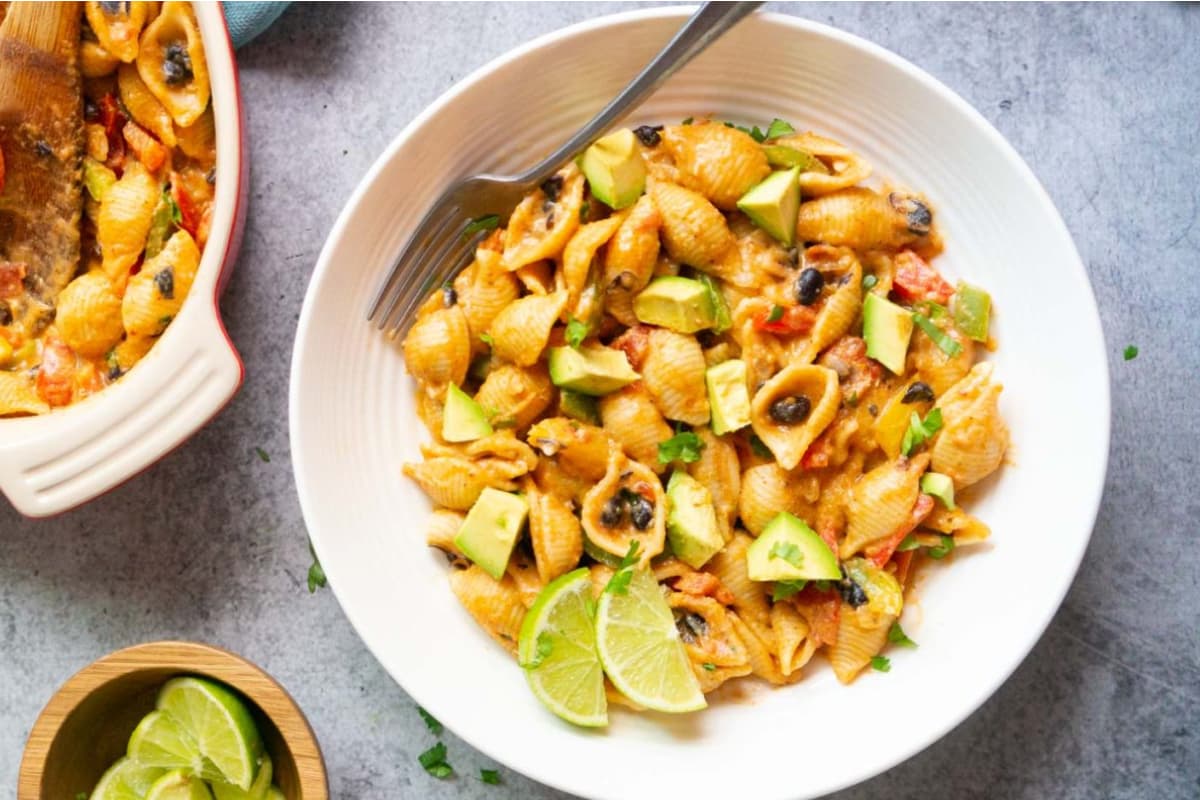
{"type": "Point", "coordinates": [86, 725]}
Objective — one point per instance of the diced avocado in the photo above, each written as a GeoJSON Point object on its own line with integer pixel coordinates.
{"type": "Point", "coordinates": [887, 328]}
{"type": "Point", "coordinates": [463, 419]}
{"type": "Point", "coordinates": [789, 550]}
{"type": "Point", "coordinates": [728, 396]}
{"type": "Point", "coordinates": [722, 320]}
{"type": "Point", "coordinates": [774, 204]}
{"type": "Point", "coordinates": [972, 308]}
{"type": "Point", "coordinates": [681, 304]}
{"type": "Point", "coordinates": [590, 370]}
{"type": "Point", "coordinates": [940, 486]}
{"type": "Point", "coordinates": [578, 406]}
{"type": "Point", "coordinates": [692, 520]}
{"type": "Point", "coordinates": [490, 531]}
{"type": "Point", "coordinates": [614, 169]}
{"type": "Point", "coordinates": [780, 155]}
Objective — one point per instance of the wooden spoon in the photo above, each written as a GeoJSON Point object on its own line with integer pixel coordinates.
{"type": "Point", "coordinates": [41, 136]}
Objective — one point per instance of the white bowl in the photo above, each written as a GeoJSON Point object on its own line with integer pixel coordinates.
{"type": "Point", "coordinates": [54, 462]}
{"type": "Point", "coordinates": [353, 422]}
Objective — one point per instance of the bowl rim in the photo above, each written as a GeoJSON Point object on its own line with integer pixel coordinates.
{"type": "Point", "coordinates": [1088, 502]}
{"type": "Point", "coordinates": [216, 663]}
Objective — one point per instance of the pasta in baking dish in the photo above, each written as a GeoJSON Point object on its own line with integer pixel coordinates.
{"type": "Point", "coordinates": [741, 317]}
{"type": "Point", "coordinates": [148, 175]}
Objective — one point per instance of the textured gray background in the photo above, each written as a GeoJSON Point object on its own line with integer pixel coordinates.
{"type": "Point", "coordinates": [1104, 103]}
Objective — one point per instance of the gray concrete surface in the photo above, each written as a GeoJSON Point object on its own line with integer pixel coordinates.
{"type": "Point", "coordinates": [1104, 103]}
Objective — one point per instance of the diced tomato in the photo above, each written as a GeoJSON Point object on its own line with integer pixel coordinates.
{"type": "Point", "coordinates": [848, 358]}
{"type": "Point", "coordinates": [12, 276]}
{"type": "Point", "coordinates": [704, 584]}
{"type": "Point", "coordinates": [793, 320]}
{"type": "Point", "coordinates": [189, 214]}
{"type": "Point", "coordinates": [882, 552]}
{"type": "Point", "coordinates": [57, 373]}
{"type": "Point", "coordinates": [114, 125]}
{"type": "Point", "coordinates": [143, 144]}
{"type": "Point", "coordinates": [915, 280]}
{"type": "Point", "coordinates": [821, 610]}
{"type": "Point", "coordinates": [817, 454]}
{"type": "Point", "coordinates": [634, 344]}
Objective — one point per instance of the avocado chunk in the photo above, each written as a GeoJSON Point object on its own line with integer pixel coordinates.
{"type": "Point", "coordinates": [789, 550]}
{"type": "Point", "coordinates": [940, 486]}
{"type": "Point", "coordinates": [887, 328]}
{"type": "Point", "coordinates": [681, 304]}
{"type": "Point", "coordinates": [463, 419]}
{"type": "Point", "coordinates": [728, 396]}
{"type": "Point", "coordinates": [490, 531]}
{"type": "Point", "coordinates": [774, 204]}
{"type": "Point", "coordinates": [614, 169]}
{"type": "Point", "coordinates": [692, 520]}
{"type": "Point", "coordinates": [578, 406]}
{"type": "Point", "coordinates": [722, 320]}
{"type": "Point", "coordinates": [590, 370]}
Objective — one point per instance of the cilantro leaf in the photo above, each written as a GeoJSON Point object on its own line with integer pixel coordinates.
{"type": "Point", "coordinates": [722, 320]}
{"type": "Point", "coordinates": [545, 646]}
{"type": "Point", "coordinates": [176, 213]}
{"type": "Point", "coordinates": [577, 331]}
{"type": "Point", "coordinates": [619, 582]}
{"type": "Point", "coordinates": [684, 446]}
{"type": "Point", "coordinates": [584, 210]}
{"type": "Point", "coordinates": [488, 222]}
{"type": "Point", "coordinates": [316, 573]}
{"type": "Point", "coordinates": [908, 543]}
{"type": "Point", "coordinates": [789, 553]}
{"type": "Point", "coordinates": [869, 282]}
{"type": "Point", "coordinates": [944, 342]}
{"type": "Point", "coordinates": [776, 314]}
{"type": "Point", "coordinates": [431, 722]}
{"type": "Point", "coordinates": [709, 667]}
{"type": "Point", "coordinates": [920, 432]}
{"type": "Point", "coordinates": [785, 589]}
{"type": "Point", "coordinates": [825, 586]}
{"type": "Point", "coordinates": [490, 776]}
{"type": "Point", "coordinates": [759, 447]}
{"type": "Point", "coordinates": [944, 549]}
{"type": "Point", "coordinates": [778, 128]}
{"type": "Point", "coordinates": [487, 339]}
{"type": "Point", "coordinates": [896, 635]}
{"type": "Point", "coordinates": [263, 455]}
{"type": "Point", "coordinates": [688, 121]}
{"type": "Point", "coordinates": [434, 761]}
{"type": "Point", "coordinates": [1131, 352]}
{"type": "Point", "coordinates": [881, 664]}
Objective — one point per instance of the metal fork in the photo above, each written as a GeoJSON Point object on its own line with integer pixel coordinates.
{"type": "Point", "coordinates": [441, 246]}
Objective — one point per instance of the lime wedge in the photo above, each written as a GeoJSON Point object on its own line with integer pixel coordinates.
{"type": "Point", "coordinates": [558, 651]}
{"type": "Point", "coordinates": [220, 725]}
{"type": "Point", "coordinates": [179, 785]}
{"type": "Point", "coordinates": [641, 651]}
{"type": "Point", "coordinates": [258, 790]}
{"type": "Point", "coordinates": [126, 780]}
{"type": "Point", "coordinates": [158, 741]}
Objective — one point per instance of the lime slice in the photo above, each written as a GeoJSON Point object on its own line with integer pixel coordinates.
{"type": "Point", "coordinates": [178, 785]}
{"type": "Point", "coordinates": [126, 780]}
{"type": "Point", "coordinates": [558, 650]}
{"type": "Point", "coordinates": [221, 726]}
{"type": "Point", "coordinates": [158, 741]}
{"type": "Point", "coordinates": [258, 790]}
{"type": "Point", "coordinates": [640, 648]}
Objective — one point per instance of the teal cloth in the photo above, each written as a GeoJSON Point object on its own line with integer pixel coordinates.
{"type": "Point", "coordinates": [248, 19]}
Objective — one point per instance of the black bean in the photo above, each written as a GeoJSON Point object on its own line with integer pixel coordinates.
{"type": "Point", "coordinates": [551, 188]}
{"type": "Point", "coordinates": [791, 409]}
{"type": "Point", "coordinates": [165, 281]}
{"type": "Point", "coordinates": [113, 7]}
{"type": "Point", "coordinates": [809, 286]}
{"type": "Point", "coordinates": [210, 177]}
{"type": "Point", "coordinates": [852, 593]}
{"type": "Point", "coordinates": [5, 314]}
{"type": "Point", "coordinates": [691, 626]}
{"type": "Point", "coordinates": [707, 338]}
{"type": "Point", "coordinates": [42, 148]}
{"type": "Point", "coordinates": [641, 511]}
{"type": "Point", "coordinates": [919, 392]}
{"type": "Point", "coordinates": [648, 134]}
{"type": "Point", "coordinates": [91, 112]}
{"type": "Point", "coordinates": [917, 215]}
{"type": "Point", "coordinates": [177, 64]}
{"type": "Point", "coordinates": [449, 296]}
{"type": "Point", "coordinates": [613, 511]}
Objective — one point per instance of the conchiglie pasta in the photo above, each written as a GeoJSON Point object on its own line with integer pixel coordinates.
{"type": "Point", "coordinates": [554, 532]}
{"type": "Point", "coordinates": [540, 228]}
{"type": "Point", "coordinates": [484, 290]}
{"type": "Point", "coordinates": [440, 533]}
{"type": "Point", "coordinates": [95, 61]}
{"type": "Point", "coordinates": [709, 637]}
{"type": "Point", "coordinates": [18, 395]}
{"type": "Point", "coordinates": [760, 642]}
{"type": "Point", "coordinates": [580, 253]}
{"type": "Point", "coordinates": [625, 476]}
{"type": "Point", "coordinates": [143, 106]}
{"type": "Point", "coordinates": [965, 528]}
{"type": "Point", "coordinates": [578, 448]}
{"type": "Point", "coordinates": [841, 270]}
{"type": "Point", "coordinates": [630, 258]}
{"type": "Point", "coordinates": [974, 437]}
{"type": "Point", "coordinates": [694, 232]}
{"type": "Point", "coordinates": [521, 331]}
{"type": "Point", "coordinates": [198, 141]}
{"type": "Point", "coordinates": [117, 26]}
{"type": "Point", "coordinates": [154, 296]}
{"type": "Point", "coordinates": [437, 349]}
{"type": "Point", "coordinates": [846, 168]}
{"type": "Point", "coordinates": [719, 470]}
{"type": "Point", "coordinates": [495, 605]}
{"type": "Point", "coordinates": [749, 597]}
{"type": "Point", "coordinates": [514, 396]}
{"type": "Point", "coordinates": [631, 417]}
{"type": "Point", "coordinates": [933, 365]}
{"type": "Point", "coordinates": [857, 218]}
{"type": "Point", "coordinates": [124, 220]}
{"type": "Point", "coordinates": [673, 373]}
{"type": "Point", "coordinates": [171, 62]}
{"type": "Point", "coordinates": [881, 502]}
{"type": "Point", "coordinates": [719, 162]}
{"type": "Point", "coordinates": [788, 441]}
{"type": "Point", "coordinates": [89, 315]}
{"type": "Point", "coordinates": [861, 636]}
{"type": "Point", "coordinates": [793, 646]}
{"type": "Point", "coordinates": [767, 489]}
{"type": "Point", "coordinates": [455, 483]}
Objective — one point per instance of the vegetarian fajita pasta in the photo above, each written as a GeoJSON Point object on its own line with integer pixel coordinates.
{"type": "Point", "coordinates": [71, 323]}
{"type": "Point", "coordinates": [706, 360]}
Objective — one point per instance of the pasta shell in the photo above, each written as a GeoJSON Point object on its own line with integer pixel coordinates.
{"type": "Point", "coordinates": [720, 472]}
{"type": "Point", "coordinates": [709, 638]}
{"type": "Point", "coordinates": [694, 232]}
{"type": "Point", "coordinates": [881, 502]}
{"type": "Point", "coordinates": [155, 295]}
{"type": "Point", "coordinates": [443, 528]}
{"type": "Point", "coordinates": [673, 373]}
{"type": "Point", "coordinates": [19, 396]}
{"type": "Point", "coordinates": [630, 258]}
{"type": "Point", "coordinates": [856, 218]}
{"type": "Point", "coordinates": [793, 647]}
{"type": "Point", "coordinates": [198, 141]}
{"type": "Point", "coordinates": [522, 330]}
{"type": "Point", "coordinates": [631, 417]}
{"type": "Point", "coordinates": [550, 475]}
{"type": "Point", "coordinates": [580, 449]}
{"type": "Point", "coordinates": [768, 489]}
{"type": "Point", "coordinates": [840, 309]}
{"type": "Point", "coordinates": [117, 26]}
{"type": "Point", "coordinates": [759, 644]}
{"type": "Point", "coordinates": [172, 64]}
{"type": "Point", "coordinates": [749, 597]}
{"type": "Point", "coordinates": [580, 252]}
{"type": "Point", "coordinates": [523, 572]}
{"type": "Point", "coordinates": [143, 106]}
{"type": "Point", "coordinates": [124, 220]}
{"type": "Point", "coordinates": [515, 396]}
{"type": "Point", "coordinates": [756, 261]}
{"type": "Point", "coordinates": [455, 483]}
{"type": "Point", "coordinates": [623, 474]}
{"type": "Point", "coordinates": [965, 528]}
{"type": "Point", "coordinates": [861, 636]}
{"type": "Point", "coordinates": [89, 315]}
{"type": "Point", "coordinates": [495, 605]}
{"type": "Point", "coordinates": [933, 365]}
{"type": "Point", "coordinates": [539, 229]}
{"type": "Point", "coordinates": [846, 167]}
{"type": "Point", "coordinates": [537, 278]}
{"type": "Point", "coordinates": [95, 61]}
{"type": "Point", "coordinates": [437, 349]}
{"type": "Point", "coordinates": [788, 443]}
{"type": "Point", "coordinates": [719, 162]}
{"type": "Point", "coordinates": [484, 290]}
{"type": "Point", "coordinates": [503, 445]}
{"type": "Point", "coordinates": [554, 532]}
{"type": "Point", "coordinates": [974, 437]}
{"type": "Point", "coordinates": [132, 350]}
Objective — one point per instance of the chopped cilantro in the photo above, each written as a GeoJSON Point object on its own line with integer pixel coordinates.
{"type": "Point", "coordinates": [584, 210]}
{"type": "Point", "coordinates": [263, 455]}
{"type": "Point", "coordinates": [778, 128]}
{"type": "Point", "coordinates": [434, 761]}
{"type": "Point", "coordinates": [431, 722]}
{"type": "Point", "coordinates": [881, 664]}
{"type": "Point", "coordinates": [824, 586]}
{"type": "Point", "coordinates": [176, 213]}
{"type": "Point", "coordinates": [688, 121]}
{"type": "Point", "coordinates": [759, 447]}
{"type": "Point", "coordinates": [316, 573]}
{"type": "Point", "coordinates": [940, 337]}
{"type": "Point", "coordinates": [920, 432]}
{"type": "Point", "coordinates": [81, 796]}
{"type": "Point", "coordinates": [896, 635]}
{"type": "Point", "coordinates": [619, 582]}
{"type": "Point", "coordinates": [485, 223]}
{"type": "Point", "coordinates": [490, 776]}
{"type": "Point", "coordinates": [487, 339]}
{"type": "Point", "coordinates": [944, 549]}
{"type": "Point", "coordinates": [1131, 352]}
{"type": "Point", "coordinates": [869, 282]}
{"type": "Point", "coordinates": [789, 553]}
{"type": "Point", "coordinates": [776, 314]}
{"type": "Point", "coordinates": [684, 446]}
{"type": "Point", "coordinates": [908, 543]}
{"type": "Point", "coordinates": [577, 331]}
{"type": "Point", "coordinates": [709, 666]}
{"type": "Point", "coordinates": [545, 646]}
{"type": "Point", "coordinates": [785, 589]}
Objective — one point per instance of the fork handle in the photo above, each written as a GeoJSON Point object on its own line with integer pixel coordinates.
{"type": "Point", "coordinates": [708, 24]}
